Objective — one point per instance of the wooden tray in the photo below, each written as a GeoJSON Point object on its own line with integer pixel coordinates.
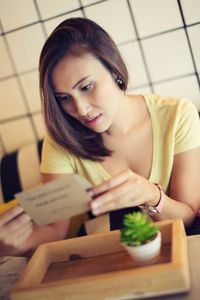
{"type": "Point", "coordinates": [97, 267]}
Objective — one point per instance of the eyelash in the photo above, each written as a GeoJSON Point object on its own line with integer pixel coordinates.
{"type": "Point", "coordinates": [84, 89]}
{"type": "Point", "coordinates": [63, 98]}
{"type": "Point", "coordinates": [87, 87]}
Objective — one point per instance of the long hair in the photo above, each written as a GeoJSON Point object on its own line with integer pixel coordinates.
{"type": "Point", "coordinates": [78, 35]}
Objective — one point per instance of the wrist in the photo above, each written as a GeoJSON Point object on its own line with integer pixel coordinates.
{"type": "Point", "coordinates": [156, 195]}
{"type": "Point", "coordinates": [154, 208]}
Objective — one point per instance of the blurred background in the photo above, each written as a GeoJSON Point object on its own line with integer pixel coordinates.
{"type": "Point", "coordinates": [159, 40]}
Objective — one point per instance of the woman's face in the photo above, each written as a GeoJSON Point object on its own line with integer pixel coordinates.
{"type": "Point", "coordinates": [87, 91]}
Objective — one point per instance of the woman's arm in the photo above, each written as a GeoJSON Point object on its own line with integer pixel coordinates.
{"type": "Point", "coordinates": [129, 189]}
{"type": "Point", "coordinates": [184, 188]}
{"type": "Point", "coordinates": [20, 238]}
{"type": "Point", "coordinates": [43, 234]}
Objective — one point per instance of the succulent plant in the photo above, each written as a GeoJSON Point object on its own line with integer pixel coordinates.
{"type": "Point", "coordinates": [138, 228]}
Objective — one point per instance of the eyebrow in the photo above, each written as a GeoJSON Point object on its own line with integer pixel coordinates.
{"type": "Point", "coordinates": [75, 85]}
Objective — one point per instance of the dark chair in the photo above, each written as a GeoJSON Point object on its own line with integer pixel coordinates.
{"type": "Point", "coordinates": [20, 170]}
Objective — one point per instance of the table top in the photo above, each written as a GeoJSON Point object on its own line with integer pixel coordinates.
{"type": "Point", "coordinates": [194, 264]}
{"type": "Point", "coordinates": [11, 267]}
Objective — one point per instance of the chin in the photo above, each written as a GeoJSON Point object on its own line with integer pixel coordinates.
{"type": "Point", "coordinates": [99, 130]}
{"type": "Point", "coordinates": [102, 129]}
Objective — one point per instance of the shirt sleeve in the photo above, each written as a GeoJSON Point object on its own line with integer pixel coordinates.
{"type": "Point", "coordinates": [55, 159]}
{"type": "Point", "coordinates": [187, 135]}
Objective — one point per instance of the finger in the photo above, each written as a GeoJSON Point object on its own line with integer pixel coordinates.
{"type": "Point", "coordinates": [14, 225]}
{"type": "Point", "coordinates": [10, 214]}
{"type": "Point", "coordinates": [122, 202]}
{"type": "Point", "coordinates": [23, 235]}
{"type": "Point", "coordinates": [112, 195]}
{"type": "Point", "coordinates": [14, 238]}
{"type": "Point", "coordinates": [109, 184]}
{"type": "Point", "coordinates": [17, 223]}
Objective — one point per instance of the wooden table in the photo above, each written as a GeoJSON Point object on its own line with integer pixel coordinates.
{"type": "Point", "coordinates": [9, 273]}
{"type": "Point", "coordinates": [194, 262]}
{"type": "Point", "coordinates": [10, 269]}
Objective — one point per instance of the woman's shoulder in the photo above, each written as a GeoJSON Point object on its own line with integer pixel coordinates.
{"type": "Point", "coordinates": [155, 99]}
{"type": "Point", "coordinates": [168, 103]}
{"type": "Point", "coordinates": [56, 159]}
{"type": "Point", "coordinates": [49, 142]}
{"type": "Point", "coordinates": [53, 150]}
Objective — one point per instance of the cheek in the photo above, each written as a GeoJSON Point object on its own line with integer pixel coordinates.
{"type": "Point", "coordinates": [106, 95]}
{"type": "Point", "coordinates": [68, 109]}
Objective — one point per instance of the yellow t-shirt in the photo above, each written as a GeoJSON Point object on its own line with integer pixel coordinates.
{"type": "Point", "coordinates": [176, 128]}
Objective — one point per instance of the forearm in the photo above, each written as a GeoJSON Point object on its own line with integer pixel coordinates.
{"type": "Point", "coordinates": [40, 235]}
{"type": "Point", "coordinates": [173, 209]}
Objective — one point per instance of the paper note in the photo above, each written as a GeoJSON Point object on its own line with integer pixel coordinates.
{"type": "Point", "coordinates": [56, 200]}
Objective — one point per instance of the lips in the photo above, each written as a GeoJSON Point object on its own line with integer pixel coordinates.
{"type": "Point", "coordinates": [92, 120]}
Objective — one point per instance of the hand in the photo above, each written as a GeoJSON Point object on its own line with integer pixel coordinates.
{"type": "Point", "coordinates": [127, 189]}
{"type": "Point", "coordinates": [15, 227]}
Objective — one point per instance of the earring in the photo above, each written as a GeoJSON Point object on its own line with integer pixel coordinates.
{"type": "Point", "coordinates": [119, 81]}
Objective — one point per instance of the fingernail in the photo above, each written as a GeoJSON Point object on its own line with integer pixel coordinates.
{"type": "Point", "coordinates": [95, 211]}
{"type": "Point", "coordinates": [94, 205]}
{"type": "Point", "coordinates": [18, 208]}
{"type": "Point", "coordinates": [90, 192]}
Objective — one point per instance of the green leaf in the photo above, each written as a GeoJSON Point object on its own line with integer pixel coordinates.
{"type": "Point", "coordinates": [137, 229]}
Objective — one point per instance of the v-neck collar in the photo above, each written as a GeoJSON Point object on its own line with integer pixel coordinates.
{"type": "Point", "coordinates": [154, 148]}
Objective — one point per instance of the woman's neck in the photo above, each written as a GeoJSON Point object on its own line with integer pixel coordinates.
{"type": "Point", "coordinates": [129, 115]}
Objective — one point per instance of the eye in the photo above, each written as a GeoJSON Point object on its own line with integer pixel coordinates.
{"type": "Point", "coordinates": [86, 87]}
{"type": "Point", "coordinates": [65, 98]}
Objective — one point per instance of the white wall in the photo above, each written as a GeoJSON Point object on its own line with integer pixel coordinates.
{"type": "Point", "coordinates": [159, 40]}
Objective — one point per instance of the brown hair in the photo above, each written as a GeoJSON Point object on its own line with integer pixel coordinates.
{"type": "Point", "coordinates": [82, 35]}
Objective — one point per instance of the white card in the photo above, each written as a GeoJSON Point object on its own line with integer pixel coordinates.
{"type": "Point", "coordinates": [56, 200]}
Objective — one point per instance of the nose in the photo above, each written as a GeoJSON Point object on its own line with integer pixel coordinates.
{"type": "Point", "coordinates": [83, 107]}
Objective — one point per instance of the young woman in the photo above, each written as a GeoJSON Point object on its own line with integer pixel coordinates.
{"type": "Point", "coordinates": [138, 151]}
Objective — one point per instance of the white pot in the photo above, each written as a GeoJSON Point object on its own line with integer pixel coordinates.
{"type": "Point", "coordinates": [147, 253]}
